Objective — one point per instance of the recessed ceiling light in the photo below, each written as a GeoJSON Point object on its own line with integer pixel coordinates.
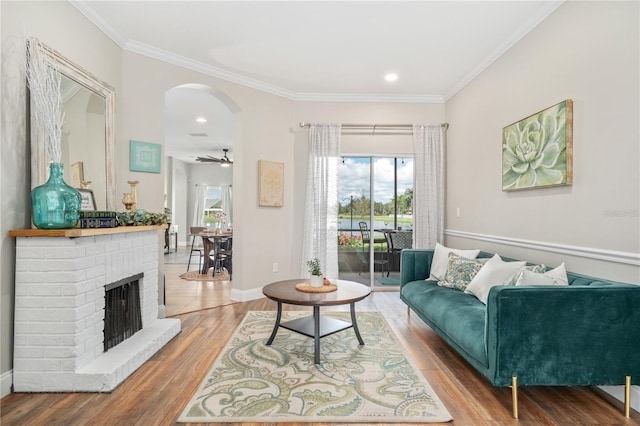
{"type": "Point", "coordinates": [391, 76]}
{"type": "Point", "coordinates": [201, 120]}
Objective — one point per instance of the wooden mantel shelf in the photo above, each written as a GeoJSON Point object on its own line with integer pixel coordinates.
{"type": "Point", "coordinates": [80, 232]}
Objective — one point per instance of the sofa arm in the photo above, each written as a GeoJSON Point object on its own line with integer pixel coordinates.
{"type": "Point", "coordinates": [415, 264]}
{"type": "Point", "coordinates": [574, 335]}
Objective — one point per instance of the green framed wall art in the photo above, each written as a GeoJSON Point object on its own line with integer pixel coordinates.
{"type": "Point", "coordinates": [537, 151]}
{"type": "Point", "coordinates": [145, 156]}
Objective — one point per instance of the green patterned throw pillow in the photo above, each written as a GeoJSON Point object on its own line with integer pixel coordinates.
{"type": "Point", "coordinates": [460, 271]}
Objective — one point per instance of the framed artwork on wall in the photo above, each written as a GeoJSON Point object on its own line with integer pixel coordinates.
{"type": "Point", "coordinates": [77, 174]}
{"type": "Point", "coordinates": [270, 183]}
{"type": "Point", "coordinates": [144, 156]}
{"type": "Point", "coordinates": [537, 151]}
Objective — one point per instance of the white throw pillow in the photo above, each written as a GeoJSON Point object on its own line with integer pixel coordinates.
{"type": "Point", "coordinates": [441, 260]}
{"type": "Point", "coordinates": [539, 269]}
{"type": "Point", "coordinates": [556, 276]}
{"type": "Point", "coordinates": [495, 272]}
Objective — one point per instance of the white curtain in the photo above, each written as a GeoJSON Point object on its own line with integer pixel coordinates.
{"type": "Point", "coordinates": [198, 207]}
{"type": "Point", "coordinates": [321, 208]}
{"type": "Point", "coordinates": [428, 188]}
{"type": "Point", "coordinates": [227, 203]}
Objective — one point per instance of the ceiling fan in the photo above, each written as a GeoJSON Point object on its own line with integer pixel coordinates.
{"type": "Point", "coordinates": [224, 160]}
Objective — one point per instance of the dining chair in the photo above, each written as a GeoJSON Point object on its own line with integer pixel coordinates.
{"type": "Point", "coordinates": [224, 253]}
{"type": "Point", "coordinates": [365, 232]}
{"type": "Point", "coordinates": [209, 250]}
{"type": "Point", "coordinates": [196, 244]}
{"type": "Point", "coordinates": [363, 253]}
{"type": "Point", "coordinates": [398, 241]}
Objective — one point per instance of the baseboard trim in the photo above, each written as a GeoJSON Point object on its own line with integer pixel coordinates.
{"type": "Point", "coordinates": [587, 252]}
{"type": "Point", "coordinates": [618, 393]}
{"type": "Point", "coordinates": [6, 382]}
{"type": "Point", "coordinates": [246, 295]}
{"type": "Point", "coordinates": [162, 311]}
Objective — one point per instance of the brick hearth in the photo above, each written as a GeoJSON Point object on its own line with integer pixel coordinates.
{"type": "Point", "coordinates": [59, 310]}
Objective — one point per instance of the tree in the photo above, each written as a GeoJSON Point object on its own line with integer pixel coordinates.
{"type": "Point", "coordinates": [405, 201]}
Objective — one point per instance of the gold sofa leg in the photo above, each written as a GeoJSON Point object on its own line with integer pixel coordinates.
{"type": "Point", "coordinates": [627, 396]}
{"type": "Point", "coordinates": [514, 396]}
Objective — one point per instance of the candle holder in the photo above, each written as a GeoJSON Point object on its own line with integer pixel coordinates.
{"type": "Point", "coordinates": [128, 201]}
{"type": "Point", "coordinates": [134, 195]}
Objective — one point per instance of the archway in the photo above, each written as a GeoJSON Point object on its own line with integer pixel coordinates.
{"type": "Point", "coordinates": [199, 122]}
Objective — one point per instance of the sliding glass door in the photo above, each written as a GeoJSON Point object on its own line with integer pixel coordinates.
{"type": "Point", "coordinates": [371, 234]}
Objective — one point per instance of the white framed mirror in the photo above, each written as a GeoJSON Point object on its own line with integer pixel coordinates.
{"type": "Point", "coordinates": [88, 138]}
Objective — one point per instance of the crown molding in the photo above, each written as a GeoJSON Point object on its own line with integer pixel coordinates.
{"type": "Point", "coordinates": [355, 97]}
{"type": "Point", "coordinates": [181, 61]}
{"type": "Point", "coordinates": [97, 20]}
{"type": "Point", "coordinates": [533, 22]}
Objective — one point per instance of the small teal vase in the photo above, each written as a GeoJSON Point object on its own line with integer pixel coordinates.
{"type": "Point", "coordinates": [55, 205]}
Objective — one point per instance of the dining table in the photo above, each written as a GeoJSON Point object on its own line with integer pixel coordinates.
{"type": "Point", "coordinates": [210, 244]}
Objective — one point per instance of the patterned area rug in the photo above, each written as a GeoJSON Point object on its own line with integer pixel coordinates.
{"type": "Point", "coordinates": [252, 382]}
{"type": "Point", "coordinates": [197, 276]}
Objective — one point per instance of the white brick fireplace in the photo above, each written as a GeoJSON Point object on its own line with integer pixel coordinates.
{"type": "Point", "coordinates": [59, 308]}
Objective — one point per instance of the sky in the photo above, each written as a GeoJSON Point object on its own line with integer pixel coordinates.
{"type": "Point", "coordinates": [354, 178]}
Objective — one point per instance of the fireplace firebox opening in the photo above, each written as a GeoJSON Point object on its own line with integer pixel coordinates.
{"type": "Point", "coordinates": [123, 316]}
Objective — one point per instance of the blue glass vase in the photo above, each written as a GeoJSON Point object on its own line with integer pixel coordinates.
{"type": "Point", "coordinates": [55, 205]}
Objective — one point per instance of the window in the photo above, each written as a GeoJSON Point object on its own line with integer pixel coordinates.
{"type": "Point", "coordinates": [212, 202]}
{"type": "Point", "coordinates": [389, 182]}
{"type": "Point", "coordinates": [392, 186]}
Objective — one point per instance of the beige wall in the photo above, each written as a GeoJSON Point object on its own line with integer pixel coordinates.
{"type": "Point", "coordinates": [58, 25]}
{"type": "Point", "coordinates": [262, 235]}
{"type": "Point", "coordinates": [585, 51]}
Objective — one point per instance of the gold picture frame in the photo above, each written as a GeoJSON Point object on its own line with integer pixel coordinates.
{"type": "Point", "coordinates": [270, 183]}
{"type": "Point", "coordinates": [77, 174]}
{"type": "Point", "coordinates": [537, 151]}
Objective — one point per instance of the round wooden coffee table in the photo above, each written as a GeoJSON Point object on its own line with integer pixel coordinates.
{"type": "Point", "coordinates": [316, 326]}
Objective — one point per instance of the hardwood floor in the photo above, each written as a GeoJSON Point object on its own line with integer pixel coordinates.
{"type": "Point", "coordinates": [182, 296]}
{"type": "Point", "coordinates": [157, 392]}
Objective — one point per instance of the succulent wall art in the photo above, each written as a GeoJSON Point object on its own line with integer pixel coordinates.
{"type": "Point", "coordinates": [537, 151]}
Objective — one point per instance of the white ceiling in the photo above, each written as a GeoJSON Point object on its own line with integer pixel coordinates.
{"type": "Point", "coordinates": [184, 138]}
{"type": "Point", "coordinates": [322, 50]}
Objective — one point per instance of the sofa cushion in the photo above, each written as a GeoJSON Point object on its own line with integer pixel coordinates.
{"type": "Point", "coordinates": [495, 272]}
{"type": "Point", "coordinates": [440, 260]}
{"type": "Point", "coordinates": [460, 271]}
{"type": "Point", "coordinates": [556, 276]}
{"type": "Point", "coordinates": [458, 317]}
{"type": "Point", "coordinates": [538, 269]}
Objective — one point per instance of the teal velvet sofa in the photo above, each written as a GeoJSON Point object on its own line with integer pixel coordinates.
{"type": "Point", "coordinates": [587, 333]}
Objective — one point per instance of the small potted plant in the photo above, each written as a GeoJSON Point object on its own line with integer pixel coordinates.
{"type": "Point", "coordinates": [316, 272]}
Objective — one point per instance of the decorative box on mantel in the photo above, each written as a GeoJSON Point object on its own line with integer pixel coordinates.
{"type": "Point", "coordinates": [59, 326]}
